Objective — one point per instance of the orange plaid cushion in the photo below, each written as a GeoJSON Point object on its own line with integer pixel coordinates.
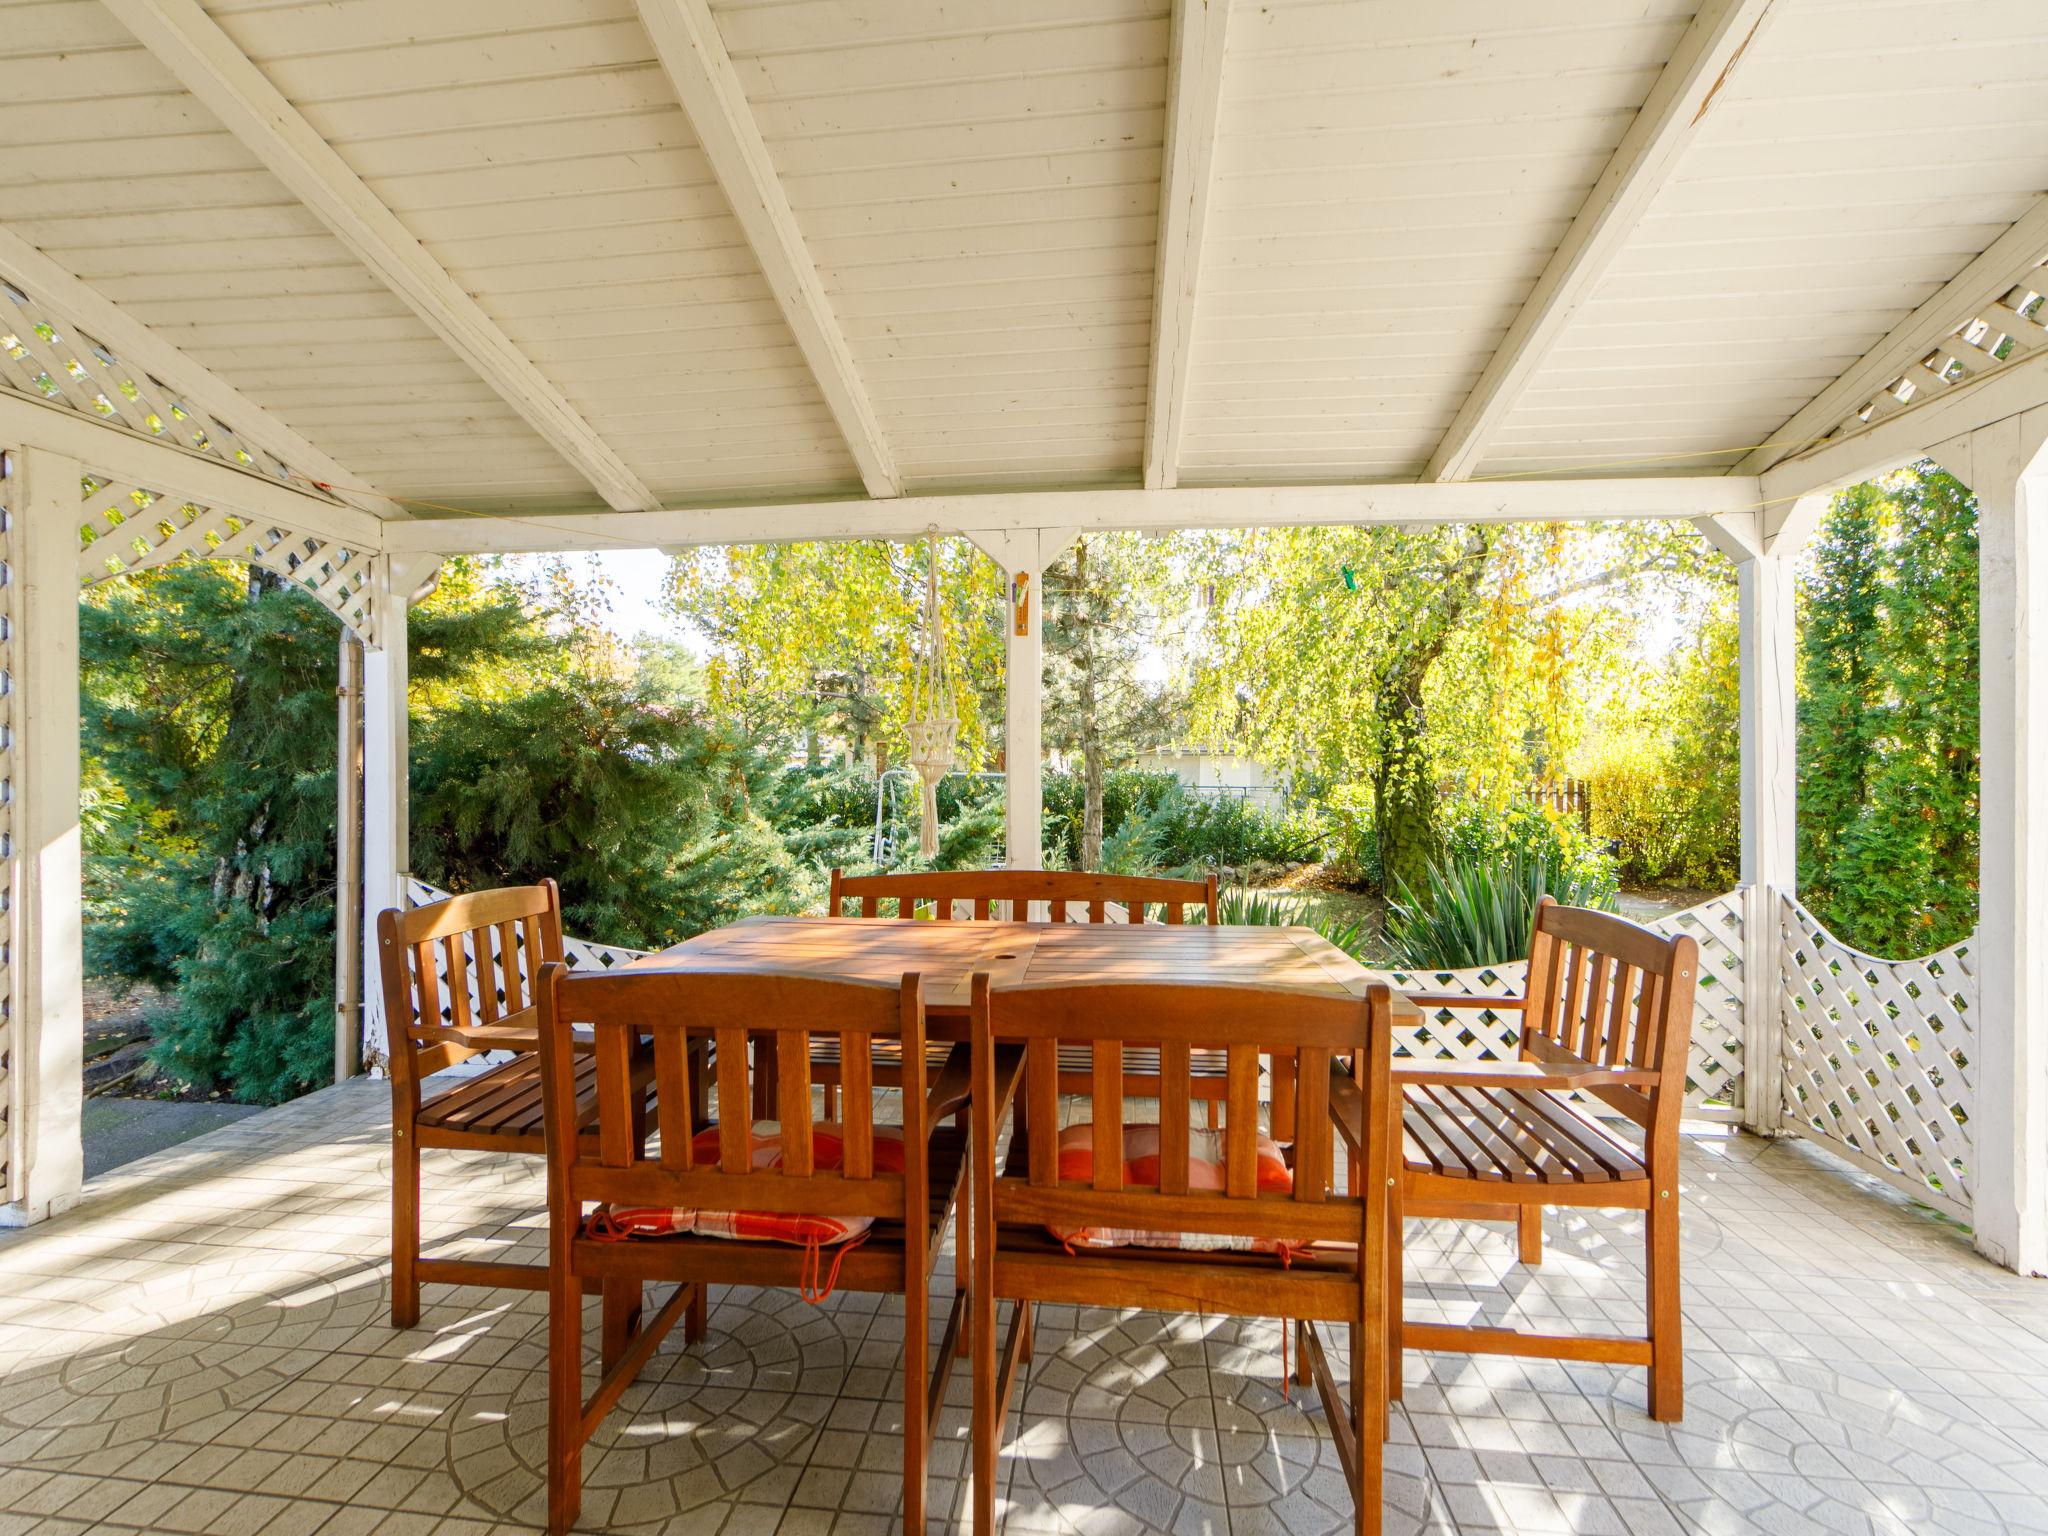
{"type": "Point", "coordinates": [828, 1152]}
{"type": "Point", "coordinates": [1141, 1168]}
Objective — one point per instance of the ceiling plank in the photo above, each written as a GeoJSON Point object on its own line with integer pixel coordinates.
{"type": "Point", "coordinates": [2005, 261]}
{"type": "Point", "coordinates": [187, 41]}
{"type": "Point", "coordinates": [693, 53]}
{"type": "Point", "coordinates": [1699, 67]}
{"type": "Point", "coordinates": [138, 347]}
{"type": "Point", "coordinates": [1194, 98]}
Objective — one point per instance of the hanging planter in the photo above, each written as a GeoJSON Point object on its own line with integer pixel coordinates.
{"type": "Point", "coordinates": [934, 725]}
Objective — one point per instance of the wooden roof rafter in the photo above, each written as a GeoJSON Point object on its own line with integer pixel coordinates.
{"type": "Point", "coordinates": [1707, 54]}
{"type": "Point", "coordinates": [185, 40]}
{"type": "Point", "coordinates": [694, 56]}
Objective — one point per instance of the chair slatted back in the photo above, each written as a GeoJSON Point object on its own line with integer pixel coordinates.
{"type": "Point", "coordinates": [456, 965]}
{"type": "Point", "coordinates": [1007, 894]}
{"type": "Point", "coordinates": [1310, 1030]}
{"type": "Point", "coordinates": [667, 1010]}
{"type": "Point", "coordinates": [1609, 992]}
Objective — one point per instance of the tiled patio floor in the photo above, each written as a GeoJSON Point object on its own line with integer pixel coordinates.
{"type": "Point", "coordinates": [204, 1347]}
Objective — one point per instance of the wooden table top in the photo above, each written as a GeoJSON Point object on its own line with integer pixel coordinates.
{"type": "Point", "coordinates": [1026, 954]}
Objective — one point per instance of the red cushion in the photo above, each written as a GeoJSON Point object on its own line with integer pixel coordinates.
{"type": "Point", "coordinates": [1141, 1168]}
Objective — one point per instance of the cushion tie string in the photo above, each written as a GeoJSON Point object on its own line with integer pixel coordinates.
{"type": "Point", "coordinates": [810, 1285]}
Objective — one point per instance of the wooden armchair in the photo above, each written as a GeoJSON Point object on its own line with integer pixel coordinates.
{"type": "Point", "coordinates": [1008, 895]}
{"type": "Point", "coordinates": [1608, 1013]}
{"type": "Point", "coordinates": [1014, 1254]}
{"type": "Point", "coordinates": [431, 958]}
{"type": "Point", "coordinates": [908, 1209]}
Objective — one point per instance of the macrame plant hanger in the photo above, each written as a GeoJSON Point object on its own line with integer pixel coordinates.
{"type": "Point", "coordinates": [934, 723]}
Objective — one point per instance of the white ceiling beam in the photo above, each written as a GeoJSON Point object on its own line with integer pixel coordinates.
{"type": "Point", "coordinates": [1082, 511]}
{"type": "Point", "coordinates": [2004, 262]}
{"type": "Point", "coordinates": [693, 53]}
{"type": "Point", "coordinates": [1194, 99]}
{"type": "Point", "coordinates": [1642, 163]}
{"type": "Point", "coordinates": [1906, 435]}
{"type": "Point", "coordinates": [185, 39]}
{"type": "Point", "coordinates": [134, 459]}
{"type": "Point", "coordinates": [140, 348]}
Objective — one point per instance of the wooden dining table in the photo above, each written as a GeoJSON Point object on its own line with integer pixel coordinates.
{"type": "Point", "coordinates": [947, 955]}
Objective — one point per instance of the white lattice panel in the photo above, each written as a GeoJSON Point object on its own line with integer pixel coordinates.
{"type": "Point", "coordinates": [45, 356]}
{"type": "Point", "coordinates": [1879, 1056]}
{"type": "Point", "coordinates": [7, 859]}
{"type": "Point", "coordinates": [577, 954]}
{"type": "Point", "coordinates": [128, 528]}
{"type": "Point", "coordinates": [1714, 1081]}
{"type": "Point", "coordinates": [2006, 330]}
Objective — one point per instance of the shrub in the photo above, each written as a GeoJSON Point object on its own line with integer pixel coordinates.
{"type": "Point", "coordinates": [1240, 907]}
{"type": "Point", "coordinates": [1476, 833]}
{"type": "Point", "coordinates": [1478, 911]}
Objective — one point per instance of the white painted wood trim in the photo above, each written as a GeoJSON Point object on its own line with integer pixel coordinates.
{"type": "Point", "coordinates": [1194, 97]}
{"type": "Point", "coordinates": [1767, 631]}
{"type": "Point", "coordinates": [1641, 164]}
{"type": "Point", "coordinates": [693, 53]}
{"type": "Point", "coordinates": [137, 460]}
{"type": "Point", "coordinates": [47, 1156]}
{"type": "Point", "coordinates": [188, 43]}
{"type": "Point", "coordinates": [387, 821]}
{"type": "Point", "coordinates": [141, 348]}
{"type": "Point", "coordinates": [1984, 280]}
{"type": "Point", "coordinates": [910, 517]}
{"type": "Point", "coordinates": [1909, 433]}
{"type": "Point", "coordinates": [2008, 471]}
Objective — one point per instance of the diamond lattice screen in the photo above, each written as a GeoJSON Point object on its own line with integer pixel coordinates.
{"type": "Point", "coordinates": [1879, 1057]}
{"type": "Point", "coordinates": [131, 528]}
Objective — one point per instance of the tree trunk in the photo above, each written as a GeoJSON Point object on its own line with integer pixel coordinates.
{"type": "Point", "coordinates": [1404, 798]}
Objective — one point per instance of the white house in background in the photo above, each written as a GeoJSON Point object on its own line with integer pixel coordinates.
{"type": "Point", "coordinates": [1205, 771]}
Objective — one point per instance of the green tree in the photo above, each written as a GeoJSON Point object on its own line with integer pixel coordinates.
{"type": "Point", "coordinates": [1096, 706]}
{"type": "Point", "coordinates": [1888, 790]}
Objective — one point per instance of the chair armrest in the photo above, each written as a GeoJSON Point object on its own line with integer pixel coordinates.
{"type": "Point", "coordinates": [1347, 1109]}
{"type": "Point", "coordinates": [951, 1089]}
{"type": "Point", "coordinates": [1518, 1074]}
{"type": "Point", "coordinates": [481, 1037]}
{"type": "Point", "coordinates": [1460, 1000]}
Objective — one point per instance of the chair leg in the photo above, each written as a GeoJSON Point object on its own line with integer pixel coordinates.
{"type": "Point", "coordinates": [1304, 1368]}
{"type": "Point", "coordinates": [1667, 1328]}
{"type": "Point", "coordinates": [1368, 1427]}
{"type": "Point", "coordinates": [831, 1105]}
{"type": "Point", "coordinates": [917, 1311]}
{"type": "Point", "coordinates": [405, 1227]}
{"type": "Point", "coordinates": [1397, 1236]}
{"type": "Point", "coordinates": [565, 1401]}
{"type": "Point", "coordinates": [694, 1316]}
{"type": "Point", "coordinates": [1529, 1233]}
{"type": "Point", "coordinates": [621, 1306]}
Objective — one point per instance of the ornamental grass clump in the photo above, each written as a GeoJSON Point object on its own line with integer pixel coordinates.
{"type": "Point", "coordinates": [1473, 912]}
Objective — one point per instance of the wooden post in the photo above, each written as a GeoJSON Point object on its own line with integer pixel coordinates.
{"type": "Point", "coordinates": [348, 860]}
{"type": "Point", "coordinates": [1768, 638]}
{"type": "Point", "coordinates": [45, 962]}
{"type": "Point", "coordinates": [386, 823]}
{"type": "Point", "coordinates": [2006, 465]}
{"type": "Point", "coordinates": [1023, 555]}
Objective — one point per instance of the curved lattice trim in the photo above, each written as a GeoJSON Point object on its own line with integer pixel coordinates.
{"type": "Point", "coordinates": [1714, 1079]}
{"type": "Point", "coordinates": [130, 528]}
{"type": "Point", "coordinates": [1879, 1056]}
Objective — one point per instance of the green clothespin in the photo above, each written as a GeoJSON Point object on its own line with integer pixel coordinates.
{"type": "Point", "coordinates": [1350, 578]}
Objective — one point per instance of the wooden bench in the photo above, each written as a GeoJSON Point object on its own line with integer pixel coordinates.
{"type": "Point", "coordinates": [1008, 895]}
{"type": "Point", "coordinates": [1016, 1038]}
{"type": "Point", "coordinates": [676, 1011]}
{"type": "Point", "coordinates": [1608, 1013]}
{"type": "Point", "coordinates": [430, 957]}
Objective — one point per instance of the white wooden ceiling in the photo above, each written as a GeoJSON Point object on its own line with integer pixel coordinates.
{"type": "Point", "coordinates": [976, 185]}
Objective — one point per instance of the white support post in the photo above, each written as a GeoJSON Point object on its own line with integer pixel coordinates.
{"type": "Point", "coordinates": [45, 927]}
{"type": "Point", "coordinates": [1768, 638]}
{"type": "Point", "coordinates": [348, 860]}
{"type": "Point", "coordinates": [2007, 468]}
{"type": "Point", "coordinates": [386, 855]}
{"type": "Point", "coordinates": [1023, 554]}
